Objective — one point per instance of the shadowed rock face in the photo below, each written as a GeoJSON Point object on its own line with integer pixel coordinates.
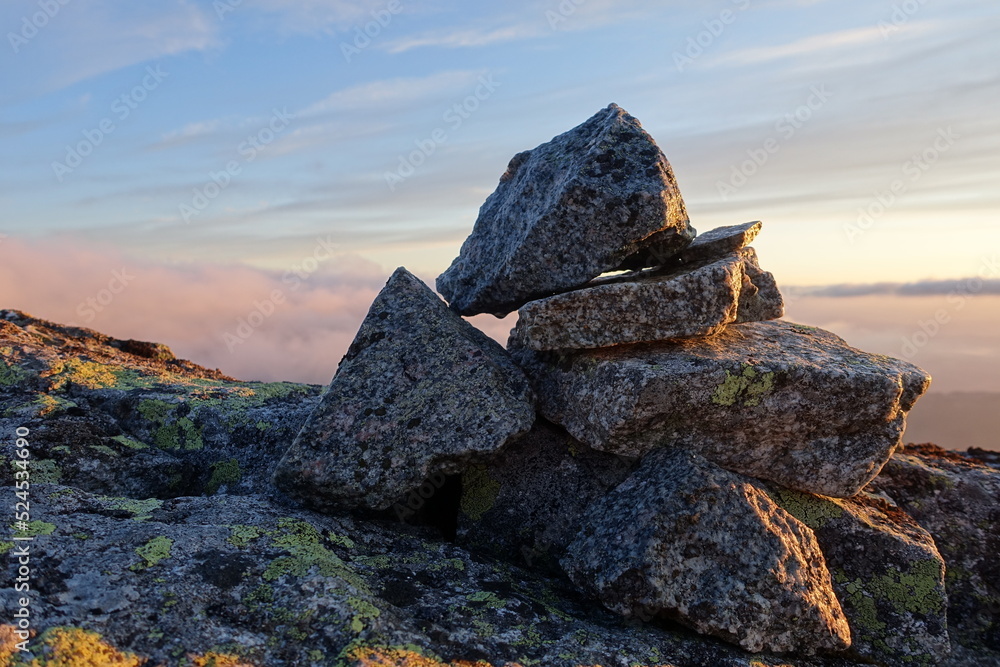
{"type": "Point", "coordinates": [525, 504]}
{"type": "Point", "coordinates": [774, 400]}
{"type": "Point", "coordinates": [887, 574]}
{"type": "Point", "coordinates": [566, 212]}
{"type": "Point", "coordinates": [670, 540]}
{"type": "Point", "coordinates": [420, 391]}
{"type": "Point", "coordinates": [957, 499]}
{"type": "Point", "coordinates": [698, 299]}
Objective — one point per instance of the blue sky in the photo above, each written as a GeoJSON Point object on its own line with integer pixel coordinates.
{"type": "Point", "coordinates": [872, 84]}
{"type": "Point", "coordinates": [247, 134]}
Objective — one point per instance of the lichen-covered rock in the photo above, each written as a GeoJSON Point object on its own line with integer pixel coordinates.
{"type": "Point", "coordinates": [526, 503]}
{"type": "Point", "coordinates": [710, 245]}
{"type": "Point", "coordinates": [420, 391]}
{"type": "Point", "coordinates": [686, 539]}
{"type": "Point", "coordinates": [243, 581]}
{"type": "Point", "coordinates": [773, 400]}
{"type": "Point", "coordinates": [566, 212]}
{"type": "Point", "coordinates": [128, 419]}
{"type": "Point", "coordinates": [957, 499]}
{"type": "Point", "coordinates": [887, 574]}
{"type": "Point", "coordinates": [697, 299]}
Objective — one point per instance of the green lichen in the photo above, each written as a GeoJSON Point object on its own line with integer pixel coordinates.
{"type": "Point", "coordinates": [916, 591]}
{"type": "Point", "coordinates": [154, 551]}
{"type": "Point", "coordinates": [363, 611]}
{"type": "Point", "coordinates": [223, 473]}
{"type": "Point", "coordinates": [34, 529]}
{"type": "Point", "coordinates": [11, 375]}
{"type": "Point", "coordinates": [750, 385]}
{"type": "Point", "coordinates": [83, 373]}
{"type": "Point", "coordinates": [479, 492]}
{"type": "Point", "coordinates": [46, 405]}
{"type": "Point", "coordinates": [103, 449]}
{"type": "Point", "coordinates": [140, 509]}
{"type": "Point", "coordinates": [240, 535]}
{"type": "Point", "coordinates": [5, 547]}
{"type": "Point", "coordinates": [306, 551]}
{"type": "Point", "coordinates": [491, 600]}
{"type": "Point", "coordinates": [45, 471]}
{"type": "Point", "coordinates": [814, 511]}
{"type": "Point", "coordinates": [129, 442]}
{"type": "Point", "coordinates": [456, 563]}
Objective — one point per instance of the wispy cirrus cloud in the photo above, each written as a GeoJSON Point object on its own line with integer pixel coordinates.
{"type": "Point", "coordinates": [88, 38]}
{"type": "Point", "coordinates": [390, 93]}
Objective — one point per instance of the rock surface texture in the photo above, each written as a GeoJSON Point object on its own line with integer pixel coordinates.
{"type": "Point", "coordinates": [697, 299]}
{"type": "Point", "coordinates": [420, 391]}
{"type": "Point", "coordinates": [669, 539]}
{"type": "Point", "coordinates": [566, 212]}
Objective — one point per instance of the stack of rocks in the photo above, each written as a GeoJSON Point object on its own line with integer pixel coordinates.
{"type": "Point", "coordinates": [694, 461]}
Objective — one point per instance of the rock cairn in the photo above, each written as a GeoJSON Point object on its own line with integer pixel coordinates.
{"type": "Point", "coordinates": [696, 459]}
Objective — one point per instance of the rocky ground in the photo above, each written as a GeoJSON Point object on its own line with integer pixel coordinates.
{"type": "Point", "coordinates": [158, 538]}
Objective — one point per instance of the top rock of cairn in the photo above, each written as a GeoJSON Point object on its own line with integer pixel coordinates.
{"type": "Point", "coordinates": [566, 212]}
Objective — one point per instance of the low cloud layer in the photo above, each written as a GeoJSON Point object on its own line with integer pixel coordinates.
{"type": "Point", "coordinates": [296, 323]}
{"type": "Point", "coordinates": [964, 287]}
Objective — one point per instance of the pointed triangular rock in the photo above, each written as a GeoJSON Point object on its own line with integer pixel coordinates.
{"type": "Point", "coordinates": [419, 391]}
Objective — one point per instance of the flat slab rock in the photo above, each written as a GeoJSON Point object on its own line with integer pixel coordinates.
{"type": "Point", "coordinates": [887, 574]}
{"type": "Point", "coordinates": [711, 245]}
{"type": "Point", "coordinates": [420, 391]}
{"type": "Point", "coordinates": [698, 299]}
{"type": "Point", "coordinates": [688, 540]}
{"type": "Point", "coordinates": [566, 212]}
{"type": "Point", "coordinates": [774, 400]}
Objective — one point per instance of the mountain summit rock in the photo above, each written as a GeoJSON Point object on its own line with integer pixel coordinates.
{"type": "Point", "coordinates": [566, 212]}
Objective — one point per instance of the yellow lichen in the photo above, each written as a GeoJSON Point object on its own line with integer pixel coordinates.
{"type": "Point", "coordinates": [76, 647]}
{"type": "Point", "coordinates": [402, 657]}
{"type": "Point", "coordinates": [750, 386]}
{"type": "Point", "coordinates": [479, 492]}
{"type": "Point", "coordinates": [213, 659]}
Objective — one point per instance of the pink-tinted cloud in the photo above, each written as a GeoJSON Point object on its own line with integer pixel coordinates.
{"type": "Point", "coordinates": [251, 323]}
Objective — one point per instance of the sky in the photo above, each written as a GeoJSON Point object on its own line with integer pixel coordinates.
{"type": "Point", "coordinates": [237, 178]}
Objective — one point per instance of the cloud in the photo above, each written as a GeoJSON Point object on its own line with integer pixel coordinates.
{"type": "Point", "coordinates": [395, 93]}
{"type": "Point", "coordinates": [88, 38]}
{"type": "Point", "coordinates": [202, 310]}
{"type": "Point", "coordinates": [966, 286]}
{"type": "Point", "coordinates": [532, 21]}
{"type": "Point", "coordinates": [316, 16]}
